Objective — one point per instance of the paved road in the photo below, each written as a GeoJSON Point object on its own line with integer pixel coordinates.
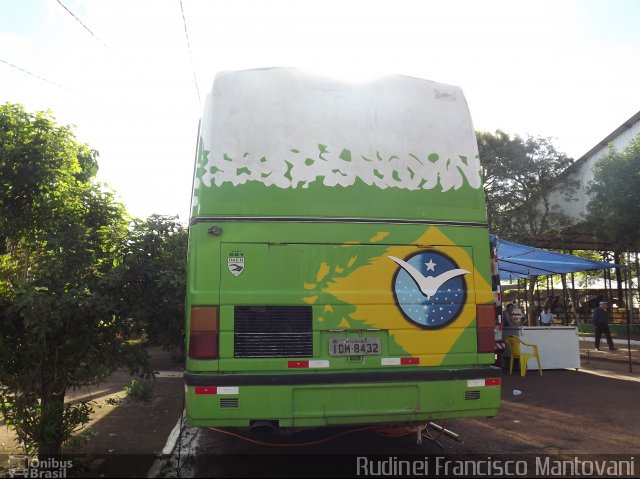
{"type": "Point", "coordinates": [565, 412]}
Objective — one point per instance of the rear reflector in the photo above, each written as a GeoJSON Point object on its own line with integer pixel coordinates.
{"type": "Point", "coordinates": [297, 364]}
{"type": "Point", "coordinates": [201, 390]}
{"type": "Point", "coordinates": [220, 390]}
{"type": "Point", "coordinates": [399, 361]}
{"type": "Point", "coordinates": [314, 363]}
{"type": "Point", "coordinates": [409, 360]}
{"type": "Point", "coordinates": [475, 383]}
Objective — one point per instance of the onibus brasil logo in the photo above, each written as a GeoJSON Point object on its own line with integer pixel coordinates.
{"type": "Point", "coordinates": [429, 289]}
{"type": "Point", "coordinates": [25, 466]}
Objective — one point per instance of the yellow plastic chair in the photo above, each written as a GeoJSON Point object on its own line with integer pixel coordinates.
{"type": "Point", "coordinates": [515, 347]}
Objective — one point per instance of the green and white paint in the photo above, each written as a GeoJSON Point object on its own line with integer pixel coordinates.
{"type": "Point", "coordinates": [336, 213]}
{"type": "Point", "coordinates": [283, 129]}
{"type": "Point", "coordinates": [298, 169]}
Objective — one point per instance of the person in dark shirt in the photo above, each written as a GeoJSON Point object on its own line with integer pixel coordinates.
{"type": "Point", "coordinates": [555, 305]}
{"type": "Point", "coordinates": [507, 316]}
{"type": "Point", "coordinates": [601, 320]}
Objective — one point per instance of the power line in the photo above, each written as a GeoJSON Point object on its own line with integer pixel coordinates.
{"type": "Point", "coordinates": [186, 34]}
{"type": "Point", "coordinates": [38, 76]}
{"type": "Point", "coordinates": [80, 22]}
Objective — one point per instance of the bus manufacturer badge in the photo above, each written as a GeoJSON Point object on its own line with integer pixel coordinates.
{"type": "Point", "coordinates": [235, 263]}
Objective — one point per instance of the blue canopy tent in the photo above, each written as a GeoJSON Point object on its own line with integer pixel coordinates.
{"type": "Point", "coordinates": [520, 261]}
{"type": "Point", "coordinates": [517, 261]}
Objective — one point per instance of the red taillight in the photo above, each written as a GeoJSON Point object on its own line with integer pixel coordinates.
{"type": "Point", "coordinates": [203, 332]}
{"type": "Point", "coordinates": [486, 319]}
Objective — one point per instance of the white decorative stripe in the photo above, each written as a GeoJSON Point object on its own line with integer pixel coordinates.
{"type": "Point", "coordinates": [414, 171]}
{"type": "Point", "coordinates": [319, 363]}
{"type": "Point", "coordinates": [390, 361]}
{"type": "Point", "coordinates": [401, 146]}
{"type": "Point", "coordinates": [228, 390]}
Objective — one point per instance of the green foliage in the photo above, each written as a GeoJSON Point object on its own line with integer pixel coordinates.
{"type": "Point", "coordinates": [517, 174]}
{"type": "Point", "coordinates": [141, 388]}
{"type": "Point", "coordinates": [149, 282]}
{"type": "Point", "coordinates": [60, 235]}
{"type": "Point", "coordinates": [76, 441]}
{"type": "Point", "coordinates": [26, 415]}
{"type": "Point", "coordinates": [614, 206]}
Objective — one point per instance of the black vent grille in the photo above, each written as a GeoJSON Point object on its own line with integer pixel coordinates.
{"type": "Point", "coordinates": [272, 332]}
{"type": "Point", "coordinates": [471, 395]}
{"type": "Point", "coordinates": [229, 403]}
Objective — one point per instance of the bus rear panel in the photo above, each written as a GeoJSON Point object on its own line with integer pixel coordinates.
{"type": "Point", "coordinates": [339, 266]}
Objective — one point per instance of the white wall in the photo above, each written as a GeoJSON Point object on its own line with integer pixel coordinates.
{"type": "Point", "coordinates": [582, 170]}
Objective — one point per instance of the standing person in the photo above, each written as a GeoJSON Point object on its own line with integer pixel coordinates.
{"type": "Point", "coordinates": [507, 316]}
{"type": "Point", "coordinates": [601, 320]}
{"type": "Point", "coordinates": [517, 315]}
{"type": "Point", "coordinates": [555, 305]}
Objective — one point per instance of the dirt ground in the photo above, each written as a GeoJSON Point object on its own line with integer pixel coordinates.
{"type": "Point", "coordinates": [125, 433]}
{"type": "Point", "coordinates": [590, 411]}
{"type": "Point", "coordinates": [593, 410]}
{"type": "Point", "coordinates": [565, 414]}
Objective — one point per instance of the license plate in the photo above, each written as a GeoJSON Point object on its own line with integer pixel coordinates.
{"type": "Point", "coordinates": [354, 346]}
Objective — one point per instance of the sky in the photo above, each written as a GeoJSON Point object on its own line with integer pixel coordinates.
{"type": "Point", "coordinates": [134, 82]}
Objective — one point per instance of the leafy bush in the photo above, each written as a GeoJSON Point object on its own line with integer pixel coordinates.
{"type": "Point", "coordinates": [141, 388]}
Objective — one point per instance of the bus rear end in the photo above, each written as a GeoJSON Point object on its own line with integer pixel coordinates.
{"type": "Point", "coordinates": [339, 265]}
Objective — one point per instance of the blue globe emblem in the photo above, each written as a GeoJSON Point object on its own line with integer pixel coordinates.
{"type": "Point", "coordinates": [429, 289]}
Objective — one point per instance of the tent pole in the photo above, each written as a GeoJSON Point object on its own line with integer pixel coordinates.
{"type": "Point", "coordinates": [629, 309]}
{"type": "Point", "coordinates": [574, 298]}
{"type": "Point", "coordinates": [565, 297]}
{"type": "Point", "coordinates": [621, 298]}
{"type": "Point", "coordinates": [531, 320]}
{"type": "Point", "coordinates": [637, 277]}
{"type": "Point", "coordinates": [538, 293]}
{"type": "Point", "coordinates": [607, 287]}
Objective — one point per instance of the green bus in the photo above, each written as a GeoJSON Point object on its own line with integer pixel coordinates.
{"type": "Point", "coordinates": [340, 270]}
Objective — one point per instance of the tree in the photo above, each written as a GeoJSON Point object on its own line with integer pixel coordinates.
{"type": "Point", "coordinates": [614, 206]}
{"type": "Point", "coordinates": [60, 234]}
{"type": "Point", "coordinates": [149, 283]}
{"type": "Point", "coordinates": [518, 174]}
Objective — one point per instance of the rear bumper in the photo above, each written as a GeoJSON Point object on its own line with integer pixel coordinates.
{"type": "Point", "coordinates": [316, 400]}
{"type": "Point", "coordinates": [293, 379]}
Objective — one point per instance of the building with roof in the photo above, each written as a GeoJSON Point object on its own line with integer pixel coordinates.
{"type": "Point", "coordinates": [576, 178]}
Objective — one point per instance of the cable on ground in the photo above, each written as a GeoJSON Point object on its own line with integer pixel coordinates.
{"type": "Point", "coordinates": [386, 431]}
